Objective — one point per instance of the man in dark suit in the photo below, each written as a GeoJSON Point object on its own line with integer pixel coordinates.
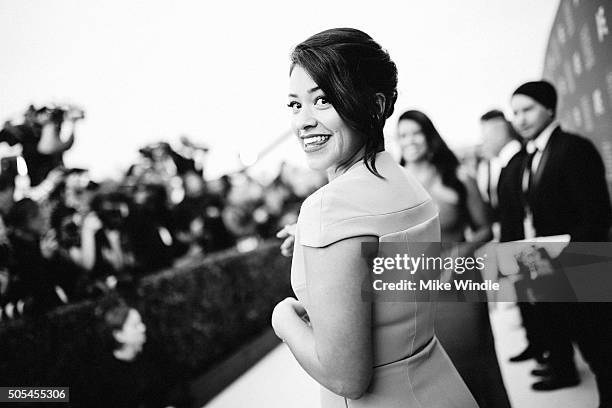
{"type": "Point", "coordinates": [562, 190]}
{"type": "Point", "coordinates": [500, 143]}
{"type": "Point", "coordinates": [504, 153]}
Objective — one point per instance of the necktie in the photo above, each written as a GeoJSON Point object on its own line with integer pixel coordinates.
{"type": "Point", "coordinates": [528, 224]}
{"type": "Point", "coordinates": [528, 169]}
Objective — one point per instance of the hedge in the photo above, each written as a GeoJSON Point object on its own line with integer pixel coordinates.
{"type": "Point", "coordinates": [196, 315]}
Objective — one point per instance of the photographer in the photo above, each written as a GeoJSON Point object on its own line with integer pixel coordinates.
{"type": "Point", "coordinates": [106, 250]}
{"type": "Point", "coordinates": [167, 159]}
{"type": "Point", "coordinates": [31, 249]}
{"type": "Point", "coordinates": [7, 190]}
{"type": "Point", "coordinates": [40, 138]}
{"type": "Point", "coordinates": [149, 229]}
{"type": "Point", "coordinates": [66, 228]}
{"type": "Point", "coordinates": [197, 219]}
{"type": "Point", "coordinates": [280, 206]}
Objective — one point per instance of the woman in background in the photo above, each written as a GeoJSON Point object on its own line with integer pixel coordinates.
{"type": "Point", "coordinates": [463, 327]}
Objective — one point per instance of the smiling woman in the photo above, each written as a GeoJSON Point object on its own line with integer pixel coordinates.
{"type": "Point", "coordinates": [323, 135]}
{"type": "Point", "coordinates": [364, 352]}
{"type": "Point", "coordinates": [336, 104]}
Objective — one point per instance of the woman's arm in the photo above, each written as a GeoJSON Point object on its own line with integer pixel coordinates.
{"type": "Point", "coordinates": [336, 348]}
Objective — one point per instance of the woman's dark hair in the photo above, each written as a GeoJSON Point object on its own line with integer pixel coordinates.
{"type": "Point", "coordinates": [438, 154]}
{"type": "Point", "coordinates": [351, 69]}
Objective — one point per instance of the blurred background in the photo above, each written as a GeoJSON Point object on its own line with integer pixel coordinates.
{"type": "Point", "coordinates": [218, 73]}
{"type": "Point", "coordinates": [146, 164]}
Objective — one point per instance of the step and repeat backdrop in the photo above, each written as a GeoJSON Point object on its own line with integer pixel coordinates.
{"type": "Point", "coordinates": [579, 62]}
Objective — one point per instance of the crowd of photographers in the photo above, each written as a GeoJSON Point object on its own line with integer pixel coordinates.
{"type": "Point", "coordinates": [65, 237]}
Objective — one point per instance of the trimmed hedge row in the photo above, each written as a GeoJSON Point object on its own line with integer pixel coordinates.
{"type": "Point", "coordinates": [196, 315]}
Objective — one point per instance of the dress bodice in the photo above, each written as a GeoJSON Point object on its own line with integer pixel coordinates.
{"type": "Point", "coordinates": [411, 368]}
{"type": "Point", "coordinates": [396, 208]}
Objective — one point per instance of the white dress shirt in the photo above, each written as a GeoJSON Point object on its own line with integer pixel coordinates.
{"type": "Point", "coordinates": [539, 144]}
{"type": "Point", "coordinates": [488, 173]}
{"type": "Point", "coordinates": [498, 163]}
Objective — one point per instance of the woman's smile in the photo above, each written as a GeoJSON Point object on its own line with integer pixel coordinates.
{"type": "Point", "coordinates": [315, 142]}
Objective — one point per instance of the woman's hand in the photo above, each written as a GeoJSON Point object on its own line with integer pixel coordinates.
{"type": "Point", "coordinates": [288, 232]}
{"type": "Point", "coordinates": [285, 310]}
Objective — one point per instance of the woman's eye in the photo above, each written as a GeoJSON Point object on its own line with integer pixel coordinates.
{"type": "Point", "coordinates": [294, 105]}
{"type": "Point", "coordinates": [321, 102]}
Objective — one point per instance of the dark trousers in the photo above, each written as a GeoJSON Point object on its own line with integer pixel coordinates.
{"type": "Point", "coordinates": [590, 326]}
{"type": "Point", "coordinates": [592, 330]}
{"type": "Point", "coordinates": [555, 321]}
{"type": "Point", "coordinates": [533, 329]}
{"type": "Point", "coordinates": [464, 329]}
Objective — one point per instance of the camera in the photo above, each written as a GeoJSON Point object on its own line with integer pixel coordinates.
{"type": "Point", "coordinates": [69, 233]}
{"type": "Point", "coordinates": [112, 209]}
{"type": "Point", "coordinates": [113, 214]}
{"type": "Point", "coordinates": [8, 167]}
{"type": "Point", "coordinates": [155, 150]}
{"type": "Point", "coordinates": [58, 114]}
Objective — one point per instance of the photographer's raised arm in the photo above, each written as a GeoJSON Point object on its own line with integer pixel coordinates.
{"type": "Point", "coordinates": [51, 141]}
{"type": "Point", "coordinates": [91, 225]}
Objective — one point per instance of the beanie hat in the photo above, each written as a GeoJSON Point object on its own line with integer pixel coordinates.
{"type": "Point", "coordinates": [542, 92]}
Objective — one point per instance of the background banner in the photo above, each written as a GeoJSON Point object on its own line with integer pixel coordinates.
{"type": "Point", "coordinates": [579, 62]}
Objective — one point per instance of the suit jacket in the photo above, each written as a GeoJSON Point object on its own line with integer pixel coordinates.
{"type": "Point", "coordinates": [568, 193]}
{"type": "Point", "coordinates": [510, 211]}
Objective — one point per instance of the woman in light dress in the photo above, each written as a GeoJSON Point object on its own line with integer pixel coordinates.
{"type": "Point", "coordinates": [463, 327]}
{"type": "Point", "coordinates": [364, 352]}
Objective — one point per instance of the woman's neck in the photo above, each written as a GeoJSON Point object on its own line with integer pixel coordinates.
{"type": "Point", "coordinates": [335, 172]}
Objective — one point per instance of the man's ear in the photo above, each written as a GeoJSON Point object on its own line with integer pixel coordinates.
{"type": "Point", "coordinates": [381, 105]}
